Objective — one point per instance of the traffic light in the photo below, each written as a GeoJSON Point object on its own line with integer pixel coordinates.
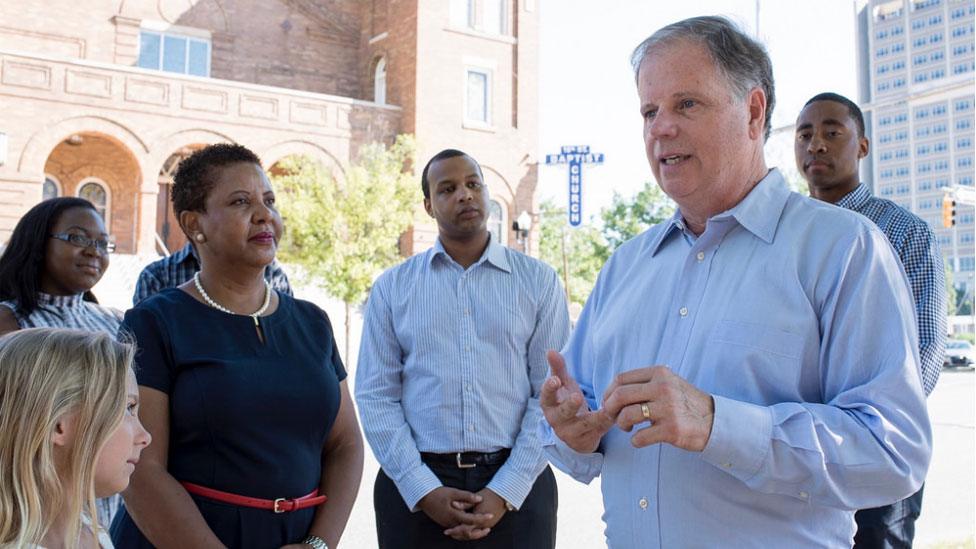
{"type": "Point", "coordinates": [948, 212]}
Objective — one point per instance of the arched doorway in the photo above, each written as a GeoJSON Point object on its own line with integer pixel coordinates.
{"type": "Point", "coordinates": [104, 171]}
{"type": "Point", "coordinates": [169, 235]}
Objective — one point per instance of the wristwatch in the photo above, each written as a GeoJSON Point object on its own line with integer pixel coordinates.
{"type": "Point", "coordinates": [316, 542]}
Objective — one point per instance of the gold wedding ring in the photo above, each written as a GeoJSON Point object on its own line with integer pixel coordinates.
{"type": "Point", "coordinates": [645, 411]}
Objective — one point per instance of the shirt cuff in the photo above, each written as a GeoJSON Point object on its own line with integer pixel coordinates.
{"type": "Point", "coordinates": [511, 486]}
{"type": "Point", "coordinates": [740, 438]}
{"type": "Point", "coordinates": [582, 467]}
{"type": "Point", "coordinates": [416, 484]}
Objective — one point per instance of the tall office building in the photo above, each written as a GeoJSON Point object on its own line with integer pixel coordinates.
{"type": "Point", "coordinates": [915, 61]}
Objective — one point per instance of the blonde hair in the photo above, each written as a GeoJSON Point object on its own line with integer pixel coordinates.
{"type": "Point", "coordinates": [46, 373]}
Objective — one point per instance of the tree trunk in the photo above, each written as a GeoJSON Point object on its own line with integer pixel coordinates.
{"type": "Point", "coordinates": [348, 330]}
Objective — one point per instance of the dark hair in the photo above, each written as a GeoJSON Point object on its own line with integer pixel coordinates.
{"type": "Point", "coordinates": [852, 108]}
{"type": "Point", "coordinates": [443, 155]}
{"type": "Point", "coordinates": [743, 60]}
{"type": "Point", "coordinates": [194, 177]}
{"type": "Point", "coordinates": [22, 262]}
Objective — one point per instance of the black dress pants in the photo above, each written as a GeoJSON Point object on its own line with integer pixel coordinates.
{"type": "Point", "coordinates": [531, 527]}
{"type": "Point", "coordinates": [888, 527]}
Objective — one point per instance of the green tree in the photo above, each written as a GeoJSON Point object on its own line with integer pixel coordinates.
{"type": "Point", "coordinates": [628, 217]}
{"type": "Point", "coordinates": [951, 303]}
{"type": "Point", "coordinates": [574, 253]}
{"type": "Point", "coordinates": [345, 234]}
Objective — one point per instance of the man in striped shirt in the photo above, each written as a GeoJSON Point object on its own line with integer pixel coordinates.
{"type": "Point", "coordinates": [451, 363]}
{"type": "Point", "coordinates": [830, 143]}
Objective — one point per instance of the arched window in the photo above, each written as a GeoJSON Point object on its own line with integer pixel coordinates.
{"type": "Point", "coordinates": [96, 192]}
{"type": "Point", "coordinates": [52, 189]}
{"type": "Point", "coordinates": [379, 82]}
{"type": "Point", "coordinates": [496, 222]}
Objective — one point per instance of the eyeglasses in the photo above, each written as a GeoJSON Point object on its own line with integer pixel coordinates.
{"type": "Point", "coordinates": [103, 245]}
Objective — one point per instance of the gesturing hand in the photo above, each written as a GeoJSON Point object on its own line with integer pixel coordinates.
{"type": "Point", "coordinates": [680, 414]}
{"type": "Point", "coordinates": [566, 411]}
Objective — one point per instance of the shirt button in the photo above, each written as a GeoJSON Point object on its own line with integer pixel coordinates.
{"type": "Point", "coordinates": [642, 503]}
{"type": "Point", "coordinates": [466, 348]}
{"type": "Point", "coordinates": [804, 495]}
{"type": "Point", "coordinates": [727, 465]}
{"type": "Point", "coordinates": [467, 386]}
{"type": "Point", "coordinates": [467, 312]}
{"type": "Point", "coordinates": [683, 311]}
{"type": "Point", "coordinates": [471, 427]}
{"type": "Point", "coordinates": [701, 256]}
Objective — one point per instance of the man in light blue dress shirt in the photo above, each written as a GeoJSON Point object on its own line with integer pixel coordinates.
{"type": "Point", "coordinates": [746, 373]}
{"type": "Point", "coordinates": [452, 359]}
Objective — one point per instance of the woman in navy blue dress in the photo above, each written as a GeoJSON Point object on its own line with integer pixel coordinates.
{"type": "Point", "coordinates": [242, 388]}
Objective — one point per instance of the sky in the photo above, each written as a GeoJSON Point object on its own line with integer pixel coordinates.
{"type": "Point", "coordinates": [587, 92]}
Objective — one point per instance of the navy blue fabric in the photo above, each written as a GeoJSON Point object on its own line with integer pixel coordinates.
{"type": "Point", "coordinates": [246, 416]}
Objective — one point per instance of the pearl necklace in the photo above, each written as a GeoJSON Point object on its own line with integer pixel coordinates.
{"type": "Point", "coordinates": [219, 307]}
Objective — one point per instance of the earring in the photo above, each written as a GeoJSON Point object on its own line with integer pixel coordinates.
{"type": "Point", "coordinates": [199, 237]}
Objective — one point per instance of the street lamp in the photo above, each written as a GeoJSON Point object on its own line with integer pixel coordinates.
{"type": "Point", "coordinates": [521, 226]}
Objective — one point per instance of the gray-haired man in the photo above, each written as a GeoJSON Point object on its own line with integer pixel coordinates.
{"type": "Point", "coordinates": [723, 378]}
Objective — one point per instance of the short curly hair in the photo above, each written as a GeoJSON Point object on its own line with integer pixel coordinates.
{"type": "Point", "coordinates": [195, 176]}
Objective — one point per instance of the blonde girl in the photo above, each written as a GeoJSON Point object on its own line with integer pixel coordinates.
{"type": "Point", "coordinates": [69, 433]}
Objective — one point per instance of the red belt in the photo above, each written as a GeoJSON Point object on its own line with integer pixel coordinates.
{"type": "Point", "coordinates": [279, 505]}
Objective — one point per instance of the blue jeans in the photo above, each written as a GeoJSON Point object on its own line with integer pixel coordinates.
{"type": "Point", "coordinates": [888, 527]}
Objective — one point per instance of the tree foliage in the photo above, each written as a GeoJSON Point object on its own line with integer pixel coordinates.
{"type": "Point", "coordinates": [628, 217]}
{"type": "Point", "coordinates": [344, 234]}
{"type": "Point", "coordinates": [589, 247]}
{"type": "Point", "coordinates": [583, 248]}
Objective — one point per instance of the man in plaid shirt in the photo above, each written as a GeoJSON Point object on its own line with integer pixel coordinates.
{"type": "Point", "coordinates": [829, 145]}
{"type": "Point", "coordinates": [171, 271]}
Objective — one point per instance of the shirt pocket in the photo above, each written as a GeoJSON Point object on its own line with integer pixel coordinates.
{"type": "Point", "coordinates": [757, 363]}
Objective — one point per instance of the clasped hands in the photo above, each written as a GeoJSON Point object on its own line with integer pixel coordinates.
{"type": "Point", "coordinates": [679, 413]}
{"type": "Point", "coordinates": [465, 515]}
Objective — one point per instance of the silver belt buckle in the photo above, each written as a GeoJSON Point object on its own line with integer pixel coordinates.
{"type": "Point", "coordinates": [464, 465]}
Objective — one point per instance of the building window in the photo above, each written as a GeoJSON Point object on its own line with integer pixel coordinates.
{"type": "Point", "coordinates": [496, 221]}
{"type": "Point", "coordinates": [463, 13]}
{"type": "Point", "coordinates": [477, 108]}
{"type": "Point", "coordinates": [379, 82]}
{"type": "Point", "coordinates": [96, 192]}
{"type": "Point", "coordinates": [496, 16]}
{"type": "Point", "coordinates": [174, 53]}
{"type": "Point", "coordinates": [52, 189]}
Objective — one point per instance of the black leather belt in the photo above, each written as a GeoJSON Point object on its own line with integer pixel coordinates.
{"type": "Point", "coordinates": [467, 460]}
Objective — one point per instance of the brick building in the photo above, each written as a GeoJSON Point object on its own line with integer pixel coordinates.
{"type": "Point", "coordinates": [101, 99]}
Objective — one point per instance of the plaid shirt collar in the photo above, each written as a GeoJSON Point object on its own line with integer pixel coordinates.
{"type": "Point", "coordinates": [856, 199]}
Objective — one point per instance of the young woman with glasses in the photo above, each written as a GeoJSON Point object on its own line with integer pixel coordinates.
{"type": "Point", "coordinates": [56, 254]}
